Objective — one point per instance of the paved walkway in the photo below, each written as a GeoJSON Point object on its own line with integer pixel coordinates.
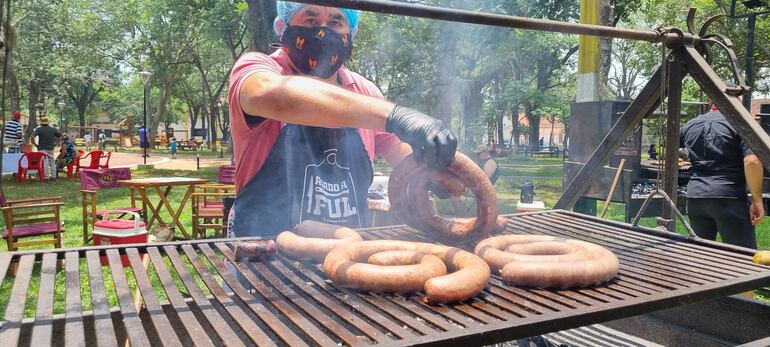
{"type": "Point", "coordinates": [160, 161]}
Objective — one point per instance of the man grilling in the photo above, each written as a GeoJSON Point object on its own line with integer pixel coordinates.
{"type": "Point", "coordinates": [723, 166]}
{"type": "Point", "coordinates": [306, 129]}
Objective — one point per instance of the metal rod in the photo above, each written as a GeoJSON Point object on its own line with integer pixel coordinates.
{"type": "Point", "coordinates": [752, 21]}
{"type": "Point", "coordinates": [146, 139]}
{"type": "Point", "coordinates": [671, 154]}
{"type": "Point", "coordinates": [474, 17]}
{"type": "Point", "coordinates": [672, 205]}
{"type": "Point", "coordinates": [614, 186]}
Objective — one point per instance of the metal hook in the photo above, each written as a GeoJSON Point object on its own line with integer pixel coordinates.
{"type": "Point", "coordinates": [671, 203]}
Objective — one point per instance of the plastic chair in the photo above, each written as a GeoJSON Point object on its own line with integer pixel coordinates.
{"type": "Point", "coordinates": [73, 168]}
{"type": "Point", "coordinates": [34, 162]}
{"type": "Point", "coordinates": [106, 164]}
{"type": "Point", "coordinates": [95, 157]}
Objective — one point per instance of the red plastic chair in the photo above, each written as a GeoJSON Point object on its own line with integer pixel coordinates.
{"type": "Point", "coordinates": [73, 168]}
{"type": "Point", "coordinates": [95, 157]}
{"type": "Point", "coordinates": [34, 162]}
{"type": "Point", "coordinates": [106, 164]}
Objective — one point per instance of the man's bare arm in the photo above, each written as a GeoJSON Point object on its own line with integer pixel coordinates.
{"type": "Point", "coordinates": [753, 170]}
{"type": "Point", "coordinates": [308, 101]}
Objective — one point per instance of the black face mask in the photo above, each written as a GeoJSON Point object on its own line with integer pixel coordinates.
{"type": "Point", "coordinates": [317, 51]}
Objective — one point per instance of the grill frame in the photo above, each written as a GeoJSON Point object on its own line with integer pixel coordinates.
{"type": "Point", "coordinates": [300, 307]}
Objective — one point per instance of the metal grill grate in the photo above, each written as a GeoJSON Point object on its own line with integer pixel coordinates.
{"type": "Point", "coordinates": [292, 303]}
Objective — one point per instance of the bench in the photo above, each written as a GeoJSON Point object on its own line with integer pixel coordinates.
{"type": "Point", "coordinates": [185, 146]}
{"type": "Point", "coordinates": [552, 151]}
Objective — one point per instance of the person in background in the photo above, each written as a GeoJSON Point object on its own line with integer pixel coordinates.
{"type": "Point", "coordinates": [307, 129]}
{"type": "Point", "coordinates": [13, 133]}
{"type": "Point", "coordinates": [144, 142]}
{"type": "Point", "coordinates": [487, 163]}
{"type": "Point", "coordinates": [722, 168]}
{"type": "Point", "coordinates": [87, 141]}
{"type": "Point", "coordinates": [172, 146]}
{"type": "Point", "coordinates": [66, 153]}
{"type": "Point", "coordinates": [652, 152]}
{"type": "Point", "coordinates": [47, 137]}
{"type": "Point", "coordinates": [102, 140]}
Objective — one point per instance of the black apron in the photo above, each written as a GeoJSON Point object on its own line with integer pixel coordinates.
{"type": "Point", "coordinates": [311, 173]}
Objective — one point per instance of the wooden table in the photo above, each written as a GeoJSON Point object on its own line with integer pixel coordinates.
{"type": "Point", "coordinates": [157, 184]}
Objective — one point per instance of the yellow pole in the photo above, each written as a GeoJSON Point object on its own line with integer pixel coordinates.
{"type": "Point", "coordinates": [588, 54]}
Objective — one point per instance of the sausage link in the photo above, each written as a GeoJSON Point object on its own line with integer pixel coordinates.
{"type": "Point", "coordinates": [314, 240]}
{"type": "Point", "coordinates": [408, 196]}
{"type": "Point", "coordinates": [468, 274]}
{"type": "Point", "coordinates": [547, 261]}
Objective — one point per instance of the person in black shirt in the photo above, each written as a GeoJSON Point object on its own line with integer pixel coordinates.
{"type": "Point", "coordinates": [652, 152]}
{"type": "Point", "coordinates": [722, 166]}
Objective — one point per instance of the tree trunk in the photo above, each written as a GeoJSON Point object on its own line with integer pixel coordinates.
{"type": "Point", "coordinates": [500, 135]}
{"type": "Point", "coordinates": [34, 93]}
{"type": "Point", "coordinates": [82, 119]}
{"type": "Point", "coordinates": [160, 110]}
{"type": "Point", "coordinates": [534, 127]}
{"type": "Point", "coordinates": [261, 16]}
{"type": "Point", "coordinates": [605, 50]}
{"type": "Point", "coordinates": [515, 127]}
{"type": "Point", "coordinates": [473, 102]}
{"type": "Point", "coordinates": [550, 137]}
{"type": "Point", "coordinates": [213, 127]}
{"type": "Point", "coordinates": [13, 89]}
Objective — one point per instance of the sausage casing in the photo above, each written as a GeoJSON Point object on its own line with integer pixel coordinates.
{"type": "Point", "coordinates": [547, 261]}
{"type": "Point", "coordinates": [468, 274]}
{"type": "Point", "coordinates": [313, 240]}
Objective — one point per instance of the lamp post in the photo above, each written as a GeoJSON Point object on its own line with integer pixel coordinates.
{"type": "Point", "coordinates": [61, 105]}
{"type": "Point", "coordinates": [145, 77]}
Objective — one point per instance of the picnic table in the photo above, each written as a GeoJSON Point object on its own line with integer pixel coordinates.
{"type": "Point", "coordinates": [163, 187]}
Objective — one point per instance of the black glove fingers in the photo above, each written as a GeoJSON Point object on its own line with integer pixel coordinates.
{"type": "Point", "coordinates": [417, 152]}
{"type": "Point", "coordinates": [447, 145]}
{"type": "Point", "coordinates": [431, 141]}
{"type": "Point", "coordinates": [430, 154]}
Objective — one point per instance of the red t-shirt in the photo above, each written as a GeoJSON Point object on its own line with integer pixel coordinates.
{"type": "Point", "coordinates": [252, 141]}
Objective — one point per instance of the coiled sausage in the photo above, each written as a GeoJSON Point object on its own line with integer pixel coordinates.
{"type": "Point", "coordinates": [314, 240]}
{"type": "Point", "coordinates": [468, 274]}
{"type": "Point", "coordinates": [547, 261]}
{"type": "Point", "coordinates": [408, 194]}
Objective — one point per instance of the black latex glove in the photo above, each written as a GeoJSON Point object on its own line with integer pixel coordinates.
{"type": "Point", "coordinates": [432, 142]}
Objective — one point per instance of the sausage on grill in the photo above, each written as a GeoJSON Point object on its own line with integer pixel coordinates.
{"type": "Point", "coordinates": [408, 194]}
{"type": "Point", "coordinates": [347, 265]}
{"type": "Point", "coordinates": [547, 261]}
{"type": "Point", "coordinates": [314, 240]}
{"type": "Point", "coordinates": [256, 250]}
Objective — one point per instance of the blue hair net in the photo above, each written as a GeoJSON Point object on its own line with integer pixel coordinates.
{"type": "Point", "coordinates": [287, 9]}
